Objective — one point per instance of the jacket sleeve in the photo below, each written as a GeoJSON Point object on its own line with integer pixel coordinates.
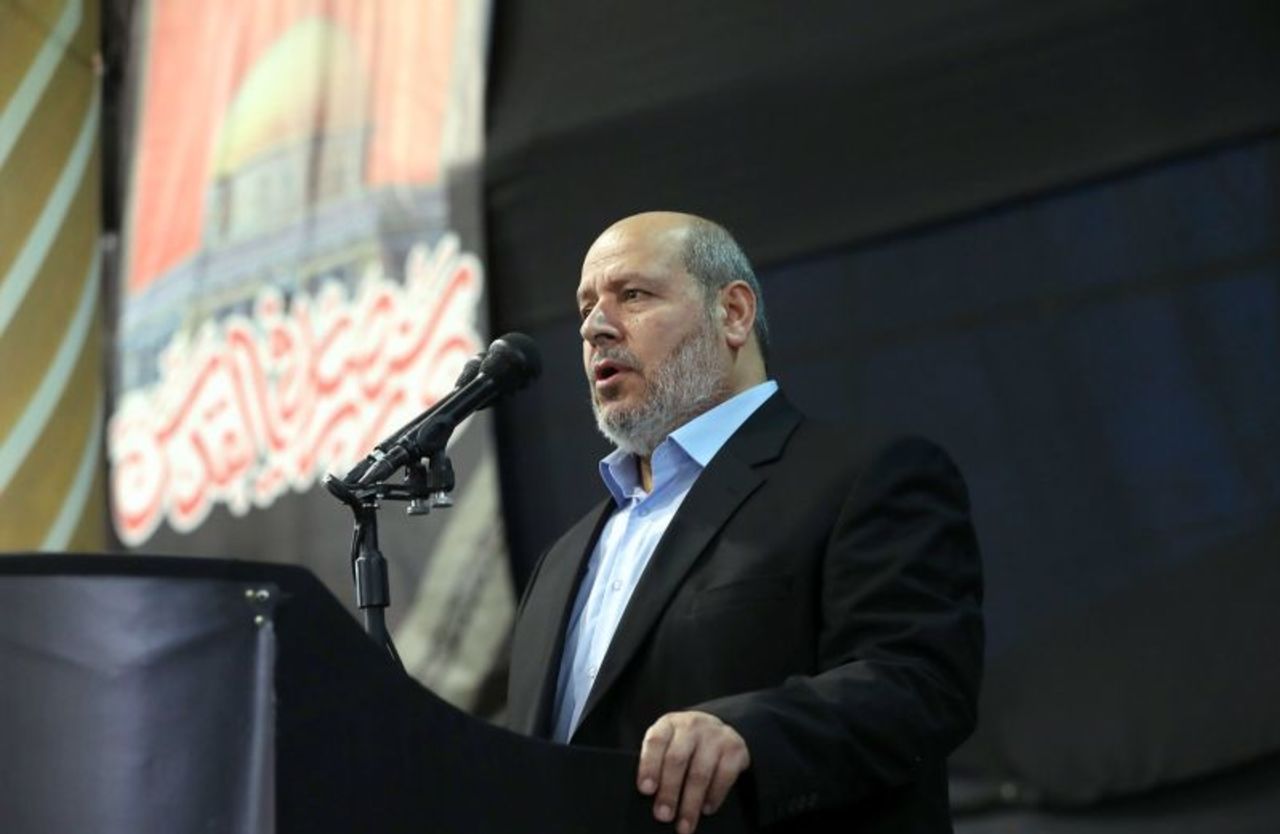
{"type": "Point", "coordinates": [900, 646]}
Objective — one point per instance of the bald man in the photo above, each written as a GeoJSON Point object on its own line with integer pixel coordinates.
{"type": "Point", "coordinates": [760, 601]}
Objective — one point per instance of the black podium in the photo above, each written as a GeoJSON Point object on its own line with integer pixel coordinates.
{"type": "Point", "coordinates": [149, 694]}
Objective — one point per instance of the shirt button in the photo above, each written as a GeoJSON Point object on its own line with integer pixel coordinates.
{"type": "Point", "coordinates": [617, 586]}
{"type": "Point", "coordinates": [591, 672]}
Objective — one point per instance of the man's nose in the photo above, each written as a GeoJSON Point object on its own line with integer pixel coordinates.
{"type": "Point", "coordinates": [598, 326]}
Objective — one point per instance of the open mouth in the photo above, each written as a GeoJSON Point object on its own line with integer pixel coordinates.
{"type": "Point", "coordinates": [607, 370]}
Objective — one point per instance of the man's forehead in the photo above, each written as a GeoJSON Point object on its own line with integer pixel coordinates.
{"type": "Point", "coordinates": [623, 252]}
{"type": "Point", "coordinates": [593, 283]}
{"type": "Point", "coordinates": [613, 277]}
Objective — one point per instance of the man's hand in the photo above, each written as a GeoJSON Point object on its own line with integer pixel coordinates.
{"type": "Point", "coordinates": [688, 762]}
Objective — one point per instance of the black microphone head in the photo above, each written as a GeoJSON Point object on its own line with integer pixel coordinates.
{"type": "Point", "coordinates": [512, 361]}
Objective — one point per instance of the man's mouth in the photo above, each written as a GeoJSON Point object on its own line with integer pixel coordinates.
{"type": "Point", "coordinates": [607, 369]}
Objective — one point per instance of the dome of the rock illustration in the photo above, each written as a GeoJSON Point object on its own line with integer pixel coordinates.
{"type": "Point", "coordinates": [294, 136]}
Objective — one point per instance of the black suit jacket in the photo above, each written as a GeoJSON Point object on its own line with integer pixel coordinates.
{"type": "Point", "coordinates": [824, 603]}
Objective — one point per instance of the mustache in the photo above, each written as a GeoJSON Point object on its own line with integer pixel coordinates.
{"type": "Point", "coordinates": [620, 355]}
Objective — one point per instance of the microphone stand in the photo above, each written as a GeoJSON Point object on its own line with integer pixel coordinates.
{"type": "Point", "coordinates": [424, 487]}
{"type": "Point", "coordinates": [508, 364]}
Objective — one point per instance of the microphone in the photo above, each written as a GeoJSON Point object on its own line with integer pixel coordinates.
{"type": "Point", "coordinates": [509, 365]}
{"type": "Point", "coordinates": [356, 475]}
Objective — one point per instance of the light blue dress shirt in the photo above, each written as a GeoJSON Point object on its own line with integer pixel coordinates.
{"type": "Point", "coordinates": [629, 538]}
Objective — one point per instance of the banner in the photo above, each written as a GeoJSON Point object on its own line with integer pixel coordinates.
{"type": "Point", "coordinates": [299, 278]}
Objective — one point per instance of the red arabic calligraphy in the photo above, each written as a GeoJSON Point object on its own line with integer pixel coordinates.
{"type": "Point", "coordinates": [248, 408]}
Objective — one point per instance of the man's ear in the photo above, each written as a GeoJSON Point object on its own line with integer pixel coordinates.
{"type": "Point", "coordinates": [737, 312]}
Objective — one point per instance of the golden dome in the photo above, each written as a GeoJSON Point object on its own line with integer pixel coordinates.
{"type": "Point", "coordinates": [310, 82]}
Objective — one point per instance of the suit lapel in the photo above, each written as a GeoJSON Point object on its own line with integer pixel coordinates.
{"type": "Point", "coordinates": [728, 480]}
{"type": "Point", "coordinates": [545, 619]}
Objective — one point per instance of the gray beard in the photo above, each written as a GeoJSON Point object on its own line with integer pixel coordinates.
{"type": "Point", "coordinates": [692, 380]}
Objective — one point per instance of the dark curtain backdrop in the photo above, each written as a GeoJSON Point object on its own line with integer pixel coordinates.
{"type": "Point", "coordinates": [1045, 234]}
{"type": "Point", "coordinates": [810, 126]}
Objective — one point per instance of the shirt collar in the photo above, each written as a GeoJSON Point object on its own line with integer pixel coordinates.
{"type": "Point", "coordinates": [698, 440]}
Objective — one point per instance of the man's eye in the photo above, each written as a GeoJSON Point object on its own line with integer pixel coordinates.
{"type": "Point", "coordinates": [584, 312]}
{"type": "Point", "coordinates": [630, 294]}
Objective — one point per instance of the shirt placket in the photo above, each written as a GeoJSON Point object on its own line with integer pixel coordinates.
{"type": "Point", "coordinates": [611, 584]}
